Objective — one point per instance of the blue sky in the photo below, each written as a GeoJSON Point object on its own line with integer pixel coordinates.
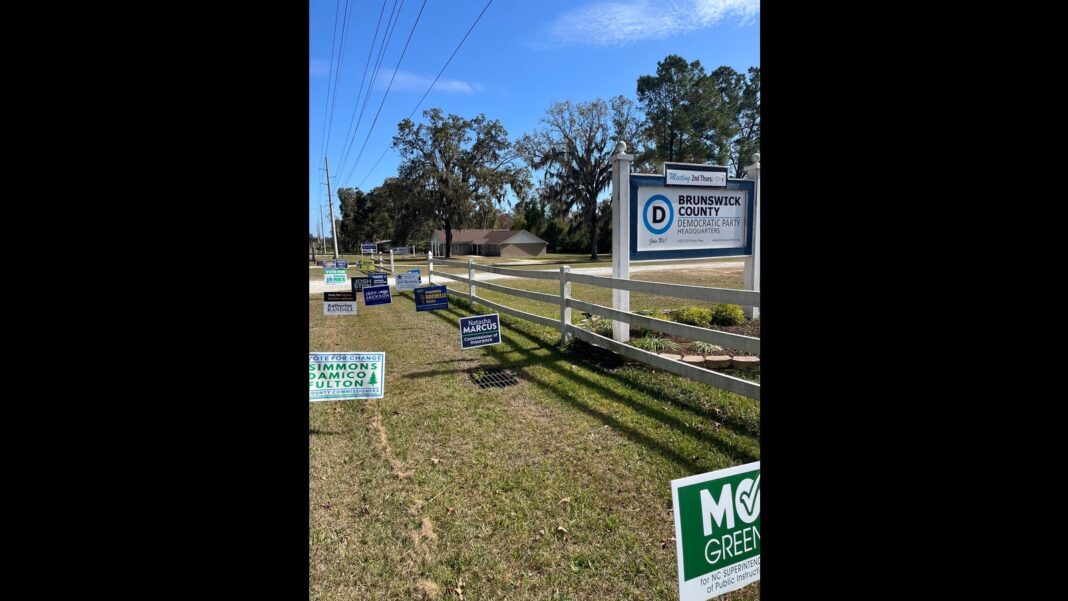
{"type": "Point", "coordinates": [522, 56]}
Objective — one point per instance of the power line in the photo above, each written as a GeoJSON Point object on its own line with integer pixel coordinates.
{"type": "Point", "coordinates": [363, 79]}
{"type": "Point", "coordinates": [391, 26]}
{"type": "Point", "coordinates": [329, 79]}
{"type": "Point", "coordinates": [457, 49]}
{"type": "Point", "coordinates": [337, 79]}
{"type": "Point", "coordinates": [381, 104]}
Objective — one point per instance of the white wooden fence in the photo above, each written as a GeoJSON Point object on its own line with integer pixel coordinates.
{"type": "Point", "coordinates": [567, 329]}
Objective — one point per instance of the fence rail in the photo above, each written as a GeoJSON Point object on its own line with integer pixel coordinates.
{"type": "Point", "coordinates": [738, 341]}
{"type": "Point", "coordinates": [746, 298]}
{"type": "Point", "coordinates": [564, 301]}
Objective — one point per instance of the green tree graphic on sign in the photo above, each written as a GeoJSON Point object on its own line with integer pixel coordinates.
{"type": "Point", "coordinates": [373, 379]}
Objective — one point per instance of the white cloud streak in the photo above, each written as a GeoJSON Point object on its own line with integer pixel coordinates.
{"type": "Point", "coordinates": [625, 22]}
{"type": "Point", "coordinates": [406, 81]}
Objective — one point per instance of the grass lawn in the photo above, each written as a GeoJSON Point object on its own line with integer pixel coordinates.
{"type": "Point", "coordinates": [556, 488]}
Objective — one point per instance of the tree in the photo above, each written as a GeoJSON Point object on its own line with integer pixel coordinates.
{"type": "Point", "coordinates": [574, 149]}
{"type": "Point", "coordinates": [748, 141]}
{"type": "Point", "coordinates": [455, 164]}
{"type": "Point", "coordinates": [354, 222]}
{"type": "Point", "coordinates": [675, 111]}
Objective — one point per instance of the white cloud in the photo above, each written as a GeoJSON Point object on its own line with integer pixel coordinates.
{"type": "Point", "coordinates": [319, 68]}
{"type": "Point", "coordinates": [624, 22]}
{"type": "Point", "coordinates": [406, 81]}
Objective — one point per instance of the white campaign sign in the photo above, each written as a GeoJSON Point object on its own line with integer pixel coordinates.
{"type": "Point", "coordinates": [688, 177]}
{"type": "Point", "coordinates": [674, 218]}
{"type": "Point", "coordinates": [339, 308]}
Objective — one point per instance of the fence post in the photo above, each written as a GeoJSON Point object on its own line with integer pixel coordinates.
{"type": "Point", "coordinates": [471, 288]}
{"type": "Point", "coordinates": [621, 162]}
{"type": "Point", "coordinates": [565, 311]}
{"type": "Point", "coordinates": [751, 272]}
{"type": "Point", "coordinates": [430, 267]}
{"type": "Point", "coordinates": [391, 269]}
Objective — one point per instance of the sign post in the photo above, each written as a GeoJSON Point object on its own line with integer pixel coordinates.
{"type": "Point", "coordinates": [751, 273]}
{"type": "Point", "coordinates": [717, 531]}
{"type": "Point", "coordinates": [621, 162]}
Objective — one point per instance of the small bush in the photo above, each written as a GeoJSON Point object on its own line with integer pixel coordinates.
{"type": "Point", "coordinates": [705, 349]}
{"type": "Point", "coordinates": [694, 316]}
{"type": "Point", "coordinates": [655, 314]}
{"type": "Point", "coordinates": [655, 344]}
{"type": "Point", "coordinates": [727, 315]}
{"type": "Point", "coordinates": [597, 324]}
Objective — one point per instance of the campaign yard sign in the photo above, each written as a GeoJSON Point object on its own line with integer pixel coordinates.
{"type": "Point", "coordinates": [368, 248]}
{"type": "Point", "coordinates": [431, 298]}
{"type": "Point", "coordinates": [717, 531]}
{"type": "Point", "coordinates": [480, 330]}
{"type": "Point", "coordinates": [341, 263]}
{"type": "Point", "coordinates": [380, 278]}
{"type": "Point", "coordinates": [366, 264]}
{"type": "Point", "coordinates": [407, 281]}
{"type": "Point", "coordinates": [377, 295]}
{"type": "Point", "coordinates": [339, 303]}
{"type": "Point", "coordinates": [335, 276]}
{"type": "Point", "coordinates": [344, 376]}
{"type": "Point", "coordinates": [361, 283]}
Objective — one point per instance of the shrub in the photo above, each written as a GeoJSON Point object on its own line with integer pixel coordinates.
{"type": "Point", "coordinates": [597, 324]}
{"type": "Point", "coordinates": [655, 344]}
{"type": "Point", "coordinates": [704, 348]}
{"type": "Point", "coordinates": [655, 314]}
{"type": "Point", "coordinates": [694, 316]}
{"type": "Point", "coordinates": [727, 315]}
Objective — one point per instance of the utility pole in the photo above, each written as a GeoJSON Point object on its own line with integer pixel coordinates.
{"type": "Point", "coordinates": [322, 239]}
{"type": "Point", "coordinates": [330, 197]}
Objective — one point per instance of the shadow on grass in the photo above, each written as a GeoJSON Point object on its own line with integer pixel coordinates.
{"type": "Point", "coordinates": [553, 362]}
{"type": "Point", "coordinates": [316, 432]}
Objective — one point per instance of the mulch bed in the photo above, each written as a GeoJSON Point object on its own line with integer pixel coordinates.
{"type": "Point", "coordinates": [748, 328]}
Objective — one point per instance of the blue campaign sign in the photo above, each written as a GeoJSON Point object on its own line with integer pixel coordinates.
{"type": "Point", "coordinates": [368, 248]}
{"type": "Point", "coordinates": [480, 330]}
{"type": "Point", "coordinates": [341, 264]}
{"type": "Point", "coordinates": [431, 298]}
{"type": "Point", "coordinates": [692, 212]}
{"type": "Point", "coordinates": [379, 278]}
{"type": "Point", "coordinates": [377, 295]}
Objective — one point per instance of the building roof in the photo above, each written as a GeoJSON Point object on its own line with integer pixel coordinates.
{"type": "Point", "coordinates": [486, 236]}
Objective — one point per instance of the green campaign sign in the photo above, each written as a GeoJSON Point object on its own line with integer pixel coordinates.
{"type": "Point", "coordinates": [366, 264]}
{"type": "Point", "coordinates": [343, 376]}
{"type": "Point", "coordinates": [717, 531]}
{"type": "Point", "coordinates": [335, 276]}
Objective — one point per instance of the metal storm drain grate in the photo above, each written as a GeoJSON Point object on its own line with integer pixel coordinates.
{"type": "Point", "coordinates": [493, 377]}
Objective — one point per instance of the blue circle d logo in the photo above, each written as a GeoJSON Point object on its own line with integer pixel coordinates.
{"type": "Point", "coordinates": [663, 214]}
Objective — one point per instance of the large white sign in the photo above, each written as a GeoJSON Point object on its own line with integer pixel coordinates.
{"type": "Point", "coordinates": [691, 218]}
